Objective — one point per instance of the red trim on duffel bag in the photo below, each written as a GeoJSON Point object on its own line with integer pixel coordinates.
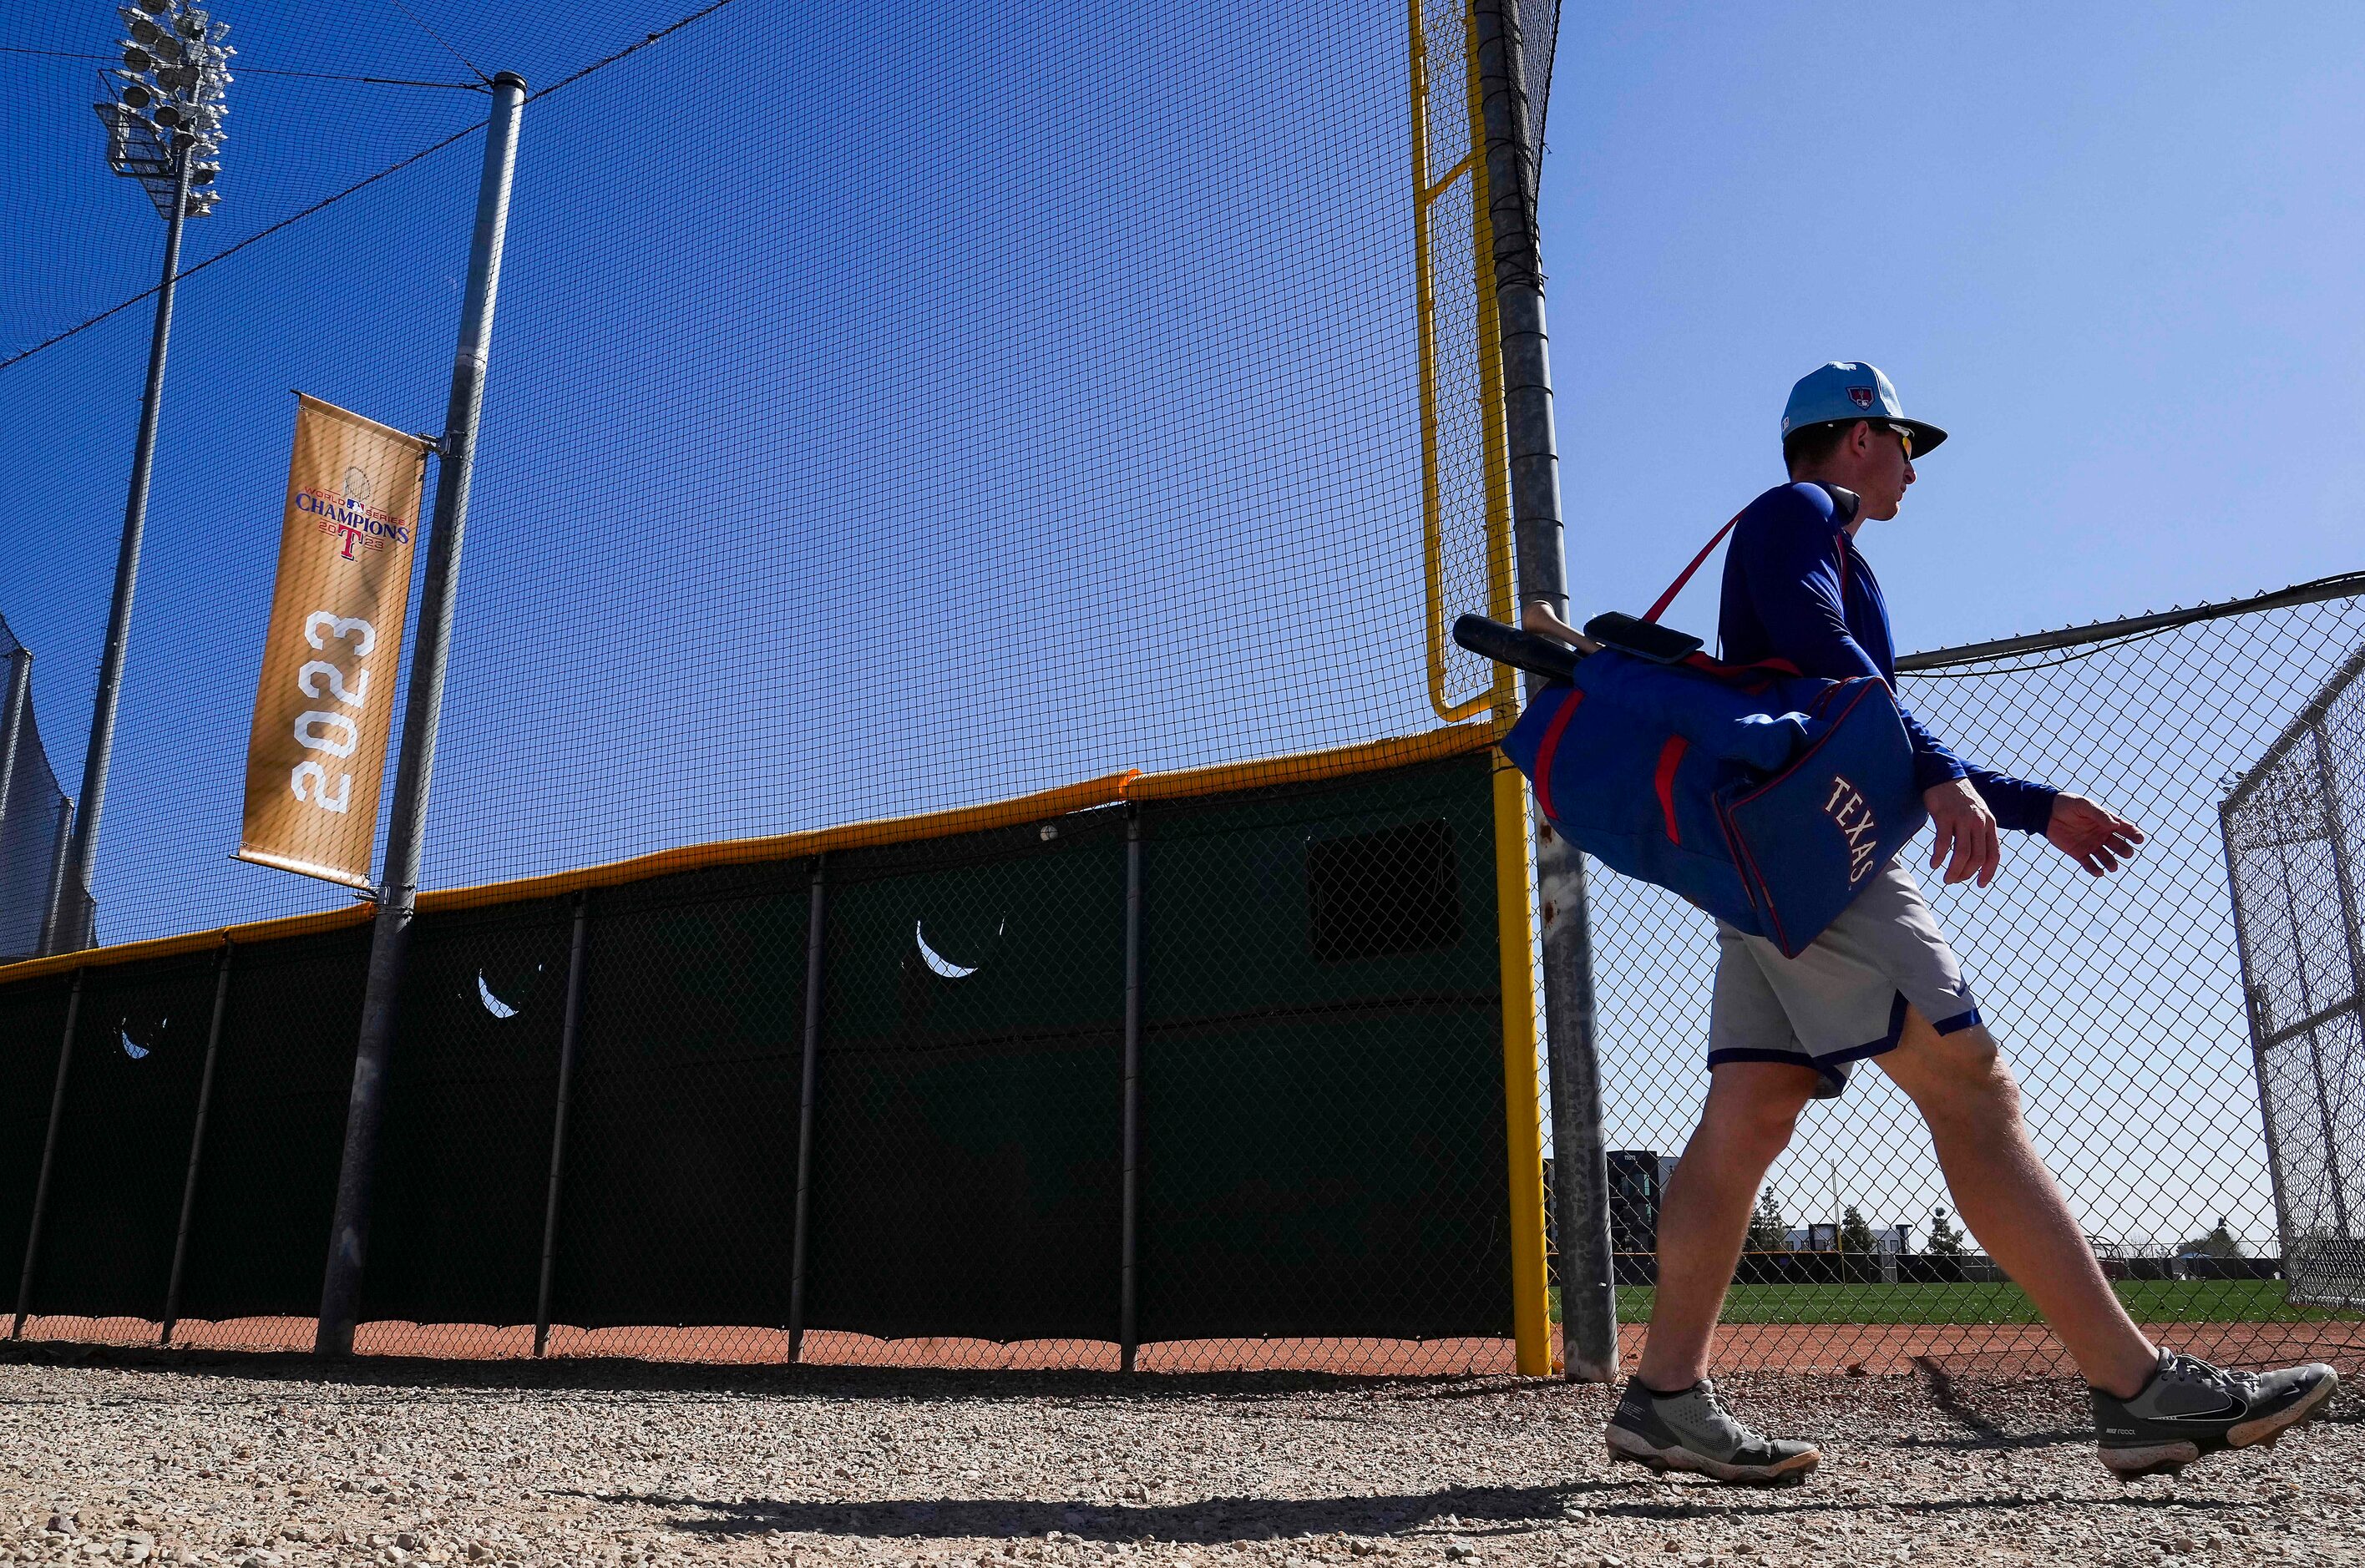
{"type": "Point", "coordinates": [1550, 744]}
{"type": "Point", "coordinates": [1671, 757]}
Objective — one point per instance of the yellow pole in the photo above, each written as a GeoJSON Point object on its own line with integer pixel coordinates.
{"type": "Point", "coordinates": [1522, 1101]}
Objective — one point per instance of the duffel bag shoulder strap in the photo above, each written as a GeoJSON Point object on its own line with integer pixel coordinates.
{"type": "Point", "coordinates": [1839, 538]}
{"type": "Point", "coordinates": [1668, 597]}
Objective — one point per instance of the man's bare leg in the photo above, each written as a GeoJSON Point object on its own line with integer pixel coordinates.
{"type": "Point", "coordinates": [1968, 1095]}
{"type": "Point", "coordinates": [1704, 1215]}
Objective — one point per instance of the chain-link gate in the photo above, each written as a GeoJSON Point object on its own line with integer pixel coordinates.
{"type": "Point", "coordinates": [2291, 848]}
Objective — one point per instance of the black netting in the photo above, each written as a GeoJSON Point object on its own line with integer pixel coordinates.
{"type": "Point", "coordinates": [966, 1158]}
{"type": "Point", "coordinates": [681, 1136]}
{"type": "Point", "coordinates": [32, 1023]}
{"type": "Point", "coordinates": [259, 1234]}
{"type": "Point", "coordinates": [123, 1140]}
{"type": "Point", "coordinates": [1322, 1065]}
{"type": "Point", "coordinates": [456, 1232]}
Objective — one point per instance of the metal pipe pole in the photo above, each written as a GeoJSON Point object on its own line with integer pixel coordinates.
{"type": "Point", "coordinates": [91, 792]}
{"type": "Point", "coordinates": [12, 722]}
{"type": "Point", "coordinates": [1128, 1336]}
{"type": "Point", "coordinates": [341, 1285]}
{"type": "Point", "coordinates": [49, 1157]}
{"type": "Point", "coordinates": [2336, 829]}
{"type": "Point", "coordinates": [813, 949]}
{"type": "Point", "coordinates": [196, 1146]}
{"type": "Point", "coordinates": [568, 1031]}
{"type": "Point", "coordinates": [1580, 1168]}
{"type": "Point", "coordinates": [57, 880]}
{"type": "Point", "coordinates": [2260, 1029]}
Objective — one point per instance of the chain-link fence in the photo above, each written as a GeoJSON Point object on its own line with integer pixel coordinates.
{"type": "Point", "coordinates": [2119, 1003]}
{"type": "Point", "coordinates": [2290, 847]}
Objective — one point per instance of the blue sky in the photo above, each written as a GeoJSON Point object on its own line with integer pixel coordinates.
{"type": "Point", "coordinates": [2110, 249]}
{"type": "Point", "coordinates": [949, 415]}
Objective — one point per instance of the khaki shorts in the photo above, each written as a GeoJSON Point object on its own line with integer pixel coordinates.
{"type": "Point", "coordinates": [1845, 998]}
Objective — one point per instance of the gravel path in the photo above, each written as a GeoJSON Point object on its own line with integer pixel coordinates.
{"type": "Point", "coordinates": [269, 1463]}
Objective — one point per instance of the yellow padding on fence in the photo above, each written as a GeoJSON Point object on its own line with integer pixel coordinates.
{"type": "Point", "coordinates": [1304, 767]}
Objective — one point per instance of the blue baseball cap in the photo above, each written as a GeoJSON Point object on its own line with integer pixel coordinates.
{"type": "Point", "coordinates": [1850, 389]}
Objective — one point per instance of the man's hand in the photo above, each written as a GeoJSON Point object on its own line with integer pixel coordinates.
{"type": "Point", "coordinates": [1967, 830]}
{"type": "Point", "coordinates": [2095, 836]}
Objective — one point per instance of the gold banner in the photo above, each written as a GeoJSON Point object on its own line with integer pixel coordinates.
{"type": "Point", "coordinates": [318, 752]}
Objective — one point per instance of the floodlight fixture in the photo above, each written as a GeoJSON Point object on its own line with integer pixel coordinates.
{"type": "Point", "coordinates": [165, 105]}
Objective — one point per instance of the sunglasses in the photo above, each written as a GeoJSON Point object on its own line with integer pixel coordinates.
{"type": "Point", "coordinates": [1905, 436]}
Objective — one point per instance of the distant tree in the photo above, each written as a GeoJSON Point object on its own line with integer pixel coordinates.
{"type": "Point", "coordinates": [1854, 1235]}
{"type": "Point", "coordinates": [2219, 1243]}
{"type": "Point", "coordinates": [1946, 1240]}
{"type": "Point", "coordinates": [1768, 1232]}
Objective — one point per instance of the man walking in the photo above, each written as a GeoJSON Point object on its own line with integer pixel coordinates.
{"type": "Point", "coordinates": [1882, 984]}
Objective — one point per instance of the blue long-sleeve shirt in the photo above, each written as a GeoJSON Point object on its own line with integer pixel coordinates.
{"type": "Point", "coordinates": [1796, 589]}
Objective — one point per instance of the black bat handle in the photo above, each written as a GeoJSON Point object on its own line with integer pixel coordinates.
{"type": "Point", "coordinates": [1529, 651]}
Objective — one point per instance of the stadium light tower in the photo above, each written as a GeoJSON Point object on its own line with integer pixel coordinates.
{"type": "Point", "coordinates": [164, 116]}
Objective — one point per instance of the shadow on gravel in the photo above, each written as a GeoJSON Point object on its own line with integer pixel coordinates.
{"type": "Point", "coordinates": [1470, 1512]}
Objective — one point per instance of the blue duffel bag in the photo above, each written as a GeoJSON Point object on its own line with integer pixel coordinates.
{"type": "Point", "coordinates": [1766, 798]}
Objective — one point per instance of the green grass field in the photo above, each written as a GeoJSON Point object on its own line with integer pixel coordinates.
{"type": "Point", "coordinates": [2149, 1300]}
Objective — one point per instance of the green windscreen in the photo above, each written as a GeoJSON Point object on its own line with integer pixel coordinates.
{"type": "Point", "coordinates": [123, 1140]}
{"type": "Point", "coordinates": [456, 1232]}
{"type": "Point", "coordinates": [1319, 1095]}
{"type": "Point", "coordinates": [32, 1022]}
{"type": "Point", "coordinates": [965, 1160]}
{"type": "Point", "coordinates": [259, 1238]}
{"type": "Point", "coordinates": [1322, 1094]}
{"type": "Point", "coordinates": [680, 1167]}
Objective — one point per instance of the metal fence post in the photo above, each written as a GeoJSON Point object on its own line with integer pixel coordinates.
{"type": "Point", "coordinates": [49, 1157]}
{"type": "Point", "coordinates": [1580, 1168]}
{"type": "Point", "coordinates": [1128, 1337]}
{"type": "Point", "coordinates": [2314, 1048]}
{"type": "Point", "coordinates": [814, 915]}
{"type": "Point", "coordinates": [2258, 1030]}
{"type": "Point", "coordinates": [340, 1284]}
{"type": "Point", "coordinates": [568, 1031]}
{"type": "Point", "coordinates": [2336, 829]}
{"type": "Point", "coordinates": [196, 1145]}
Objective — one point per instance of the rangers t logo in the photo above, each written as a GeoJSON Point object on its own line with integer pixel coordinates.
{"type": "Point", "coordinates": [1847, 809]}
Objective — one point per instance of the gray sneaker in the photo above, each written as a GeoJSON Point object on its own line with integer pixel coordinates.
{"type": "Point", "coordinates": [2190, 1408]}
{"type": "Point", "coordinates": [1693, 1430]}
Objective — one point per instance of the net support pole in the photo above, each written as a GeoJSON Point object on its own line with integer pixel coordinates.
{"type": "Point", "coordinates": [1580, 1168]}
{"type": "Point", "coordinates": [569, 1030]}
{"type": "Point", "coordinates": [2336, 830]}
{"type": "Point", "coordinates": [340, 1284]}
{"type": "Point", "coordinates": [12, 722]}
{"type": "Point", "coordinates": [808, 1078]}
{"type": "Point", "coordinates": [2267, 1114]}
{"type": "Point", "coordinates": [1128, 1323]}
{"type": "Point", "coordinates": [48, 1160]}
{"type": "Point", "coordinates": [197, 1146]}
{"type": "Point", "coordinates": [82, 848]}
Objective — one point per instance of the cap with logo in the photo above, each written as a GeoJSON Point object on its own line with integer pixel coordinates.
{"type": "Point", "coordinates": [1850, 389]}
